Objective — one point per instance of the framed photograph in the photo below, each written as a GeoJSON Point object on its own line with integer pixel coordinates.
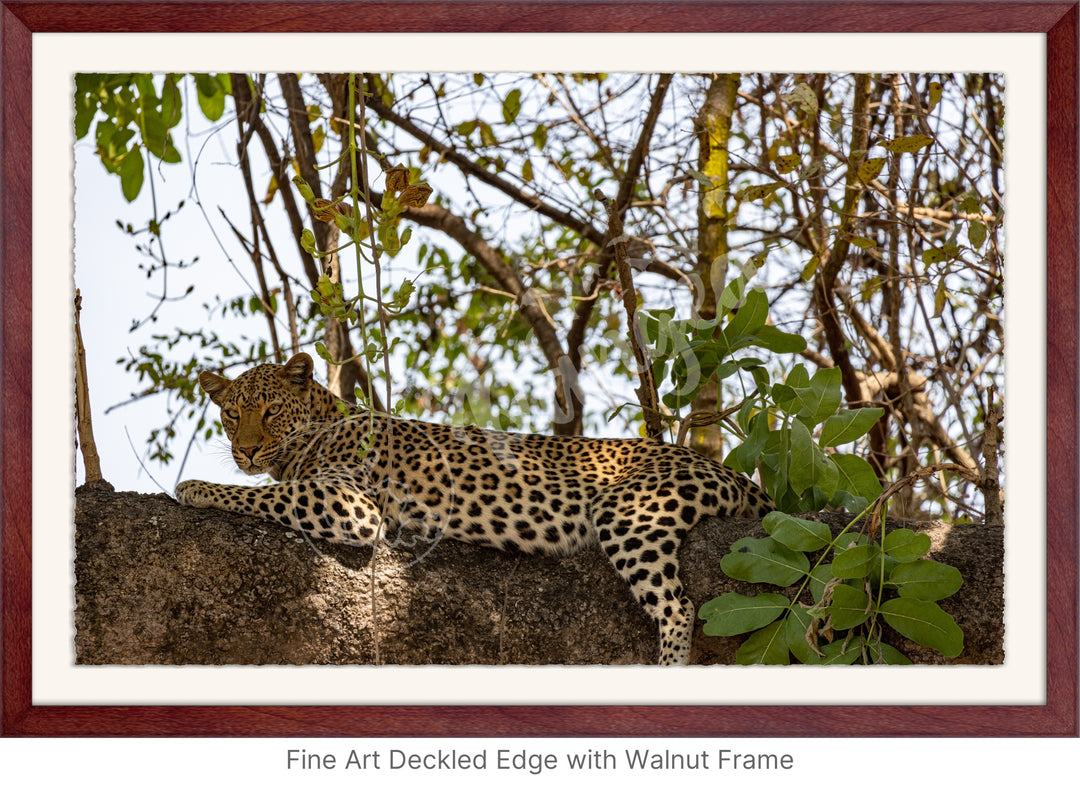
{"type": "Point", "coordinates": [1019, 57]}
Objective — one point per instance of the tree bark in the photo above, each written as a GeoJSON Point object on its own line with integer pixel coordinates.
{"type": "Point", "coordinates": [714, 216]}
{"type": "Point", "coordinates": [158, 583]}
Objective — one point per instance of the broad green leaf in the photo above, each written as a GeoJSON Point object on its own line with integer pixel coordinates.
{"type": "Point", "coordinates": [845, 501]}
{"type": "Point", "coordinates": [842, 652]}
{"type": "Point", "coordinates": [798, 377]}
{"type": "Point", "coordinates": [819, 578]}
{"type": "Point", "coordinates": [856, 476]}
{"type": "Point", "coordinates": [171, 101]}
{"type": "Point", "coordinates": [734, 614]}
{"type": "Point", "coordinates": [849, 606]}
{"type": "Point", "coordinates": [906, 145]}
{"type": "Point", "coordinates": [744, 456]}
{"type": "Point", "coordinates": [811, 267]}
{"type": "Point", "coordinates": [768, 337]}
{"type": "Point", "coordinates": [924, 623]}
{"type": "Point", "coordinates": [882, 653]}
{"type": "Point", "coordinates": [131, 173]}
{"type": "Point", "coordinates": [804, 535]}
{"type": "Point", "coordinates": [211, 96]}
{"type": "Point", "coordinates": [767, 646]}
{"type": "Point", "coordinates": [848, 425]}
{"type": "Point", "coordinates": [809, 466]}
{"type": "Point", "coordinates": [926, 580]}
{"type": "Point", "coordinates": [764, 561]}
{"type": "Point", "coordinates": [904, 544]}
{"type": "Point", "coordinates": [856, 562]}
{"type": "Point", "coordinates": [796, 625]}
{"type": "Point", "coordinates": [750, 317]}
{"type": "Point", "coordinates": [820, 398]}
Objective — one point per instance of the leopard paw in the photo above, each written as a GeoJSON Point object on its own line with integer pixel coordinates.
{"type": "Point", "coordinates": [195, 493]}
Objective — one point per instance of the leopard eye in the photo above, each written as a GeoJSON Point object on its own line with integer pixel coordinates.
{"type": "Point", "coordinates": [231, 414]}
{"type": "Point", "coordinates": [273, 409]}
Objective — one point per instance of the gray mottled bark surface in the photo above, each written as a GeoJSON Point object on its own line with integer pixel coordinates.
{"type": "Point", "coordinates": [158, 583]}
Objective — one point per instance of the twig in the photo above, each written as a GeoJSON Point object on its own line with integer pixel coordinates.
{"type": "Point", "coordinates": [91, 460]}
{"type": "Point", "coordinates": [646, 392]}
{"type": "Point", "coordinates": [989, 485]}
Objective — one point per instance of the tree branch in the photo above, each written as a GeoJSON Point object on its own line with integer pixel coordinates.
{"type": "Point", "coordinates": [470, 168]}
{"type": "Point", "coordinates": [567, 396]}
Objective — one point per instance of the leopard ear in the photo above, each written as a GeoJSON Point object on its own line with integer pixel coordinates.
{"type": "Point", "coordinates": [214, 385]}
{"type": "Point", "coordinates": [297, 370]}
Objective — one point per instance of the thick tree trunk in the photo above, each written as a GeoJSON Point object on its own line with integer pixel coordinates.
{"type": "Point", "coordinates": [159, 583]}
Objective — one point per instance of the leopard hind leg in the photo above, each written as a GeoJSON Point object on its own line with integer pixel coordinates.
{"type": "Point", "coordinates": [643, 548]}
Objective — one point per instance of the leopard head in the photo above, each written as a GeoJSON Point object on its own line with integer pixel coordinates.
{"type": "Point", "coordinates": [263, 406]}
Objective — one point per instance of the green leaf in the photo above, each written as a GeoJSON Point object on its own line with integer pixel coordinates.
{"type": "Point", "coordinates": [819, 398]}
{"type": "Point", "coordinates": [539, 136]}
{"type": "Point", "coordinates": [856, 562]}
{"type": "Point", "coordinates": [768, 337]}
{"type": "Point", "coordinates": [761, 191]}
{"type": "Point", "coordinates": [870, 169]}
{"type": "Point", "coordinates": [926, 580]}
{"type": "Point", "coordinates": [924, 623]}
{"type": "Point", "coordinates": [787, 163]}
{"type": "Point", "coordinates": [211, 96]}
{"type": "Point", "coordinates": [809, 466]}
{"type": "Point", "coordinates": [795, 533]}
{"type": "Point", "coordinates": [842, 652]}
{"type": "Point", "coordinates": [907, 145]}
{"type": "Point", "coordinates": [744, 456]}
{"type": "Point", "coordinates": [935, 94]}
{"type": "Point", "coordinates": [755, 560]}
{"type": "Point", "coordinates": [976, 234]}
{"type": "Point", "coordinates": [819, 578]}
{"type": "Point", "coordinates": [904, 544]}
{"type": "Point", "coordinates": [750, 317]}
{"type": "Point", "coordinates": [796, 626]}
{"type": "Point", "coordinates": [848, 425]}
{"type": "Point", "coordinates": [767, 647]}
{"type": "Point", "coordinates": [511, 106]}
{"type": "Point", "coordinates": [856, 476]}
{"type": "Point", "coordinates": [882, 653]}
{"type": "Point", "coordinates": [849, 607]}
{"type": "Point", "coordinates": [734, 614]}
{"type": "Point", "coordinates": [933, 256]}
{"type": "Point", "coordinates": [131, 173]}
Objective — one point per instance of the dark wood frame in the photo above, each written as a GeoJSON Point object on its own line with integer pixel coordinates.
{"type": "Point", "coordinates": [1058, 20]}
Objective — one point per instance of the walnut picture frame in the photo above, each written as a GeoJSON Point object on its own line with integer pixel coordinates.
{"type": "Point", "coordinates": [20, 21]}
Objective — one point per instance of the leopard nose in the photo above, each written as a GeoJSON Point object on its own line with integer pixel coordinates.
{"type": "Point", "coordinates": [249, 451]}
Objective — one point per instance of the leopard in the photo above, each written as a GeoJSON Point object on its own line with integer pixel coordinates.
{"type": "Point", "coordinates": [354, 476]}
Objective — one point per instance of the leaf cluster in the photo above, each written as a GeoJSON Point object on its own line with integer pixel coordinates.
{"type": "Point", "coordinates": [856, 585]}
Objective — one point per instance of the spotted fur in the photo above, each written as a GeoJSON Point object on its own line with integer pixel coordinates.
{"type": "Point", "coordinates": [363, 477]}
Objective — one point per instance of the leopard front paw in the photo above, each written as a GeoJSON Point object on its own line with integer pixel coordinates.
{"type": "Point", "coordinates": [195, 493]}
